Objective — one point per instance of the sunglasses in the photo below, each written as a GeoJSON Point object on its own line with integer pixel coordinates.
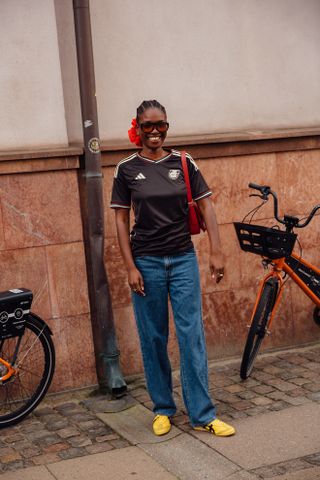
{"type": "Point", "coordinates": [147, 127]}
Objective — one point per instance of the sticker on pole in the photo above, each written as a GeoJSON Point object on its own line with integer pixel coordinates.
{"type": "Point", "coordinates": [94, 145]}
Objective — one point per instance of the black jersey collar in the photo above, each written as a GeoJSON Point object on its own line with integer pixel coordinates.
{"type": "Point", "coordinates": [155, 161]}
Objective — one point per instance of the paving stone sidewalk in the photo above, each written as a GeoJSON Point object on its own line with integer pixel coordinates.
{"type": "Point", "coordinates": [66, 426]}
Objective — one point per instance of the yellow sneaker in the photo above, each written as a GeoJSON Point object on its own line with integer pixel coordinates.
{"type": "Point", "coordinates": [217, 427]}
{"type": "Point", "coordinates": [161, 425]}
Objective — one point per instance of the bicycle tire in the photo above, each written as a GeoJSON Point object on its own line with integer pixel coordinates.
{"type": "Point", "coordinates": [258, 327]}
{"type": "Point", "coordinates": [36, 361]}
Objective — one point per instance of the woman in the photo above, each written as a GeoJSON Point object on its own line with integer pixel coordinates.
{"type": "Point", "coordinates": [160, 260]}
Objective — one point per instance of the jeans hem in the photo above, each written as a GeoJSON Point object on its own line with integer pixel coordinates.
{"type": "Point", "coordinates": [203, 424]}
{"type": "Point", "coordinates": [165, 413]}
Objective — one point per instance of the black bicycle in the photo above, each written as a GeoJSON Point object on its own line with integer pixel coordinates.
{"type": "Point", "coordinates": [27, 357]}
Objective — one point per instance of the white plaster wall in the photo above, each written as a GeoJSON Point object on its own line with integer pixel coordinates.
{"type": "Point", "coordinates": [217, 65]}
{"type": "Point", "coordinates": [31, 97]}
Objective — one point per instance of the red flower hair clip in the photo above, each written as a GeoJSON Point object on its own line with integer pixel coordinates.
{"type": "Point", "coordinates": [132, 133]}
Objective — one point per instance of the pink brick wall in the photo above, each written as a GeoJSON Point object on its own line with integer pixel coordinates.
{"type": "Point", "coordinates": [227, 307]}
{"type": "Point", "coordinates": [41, 248]}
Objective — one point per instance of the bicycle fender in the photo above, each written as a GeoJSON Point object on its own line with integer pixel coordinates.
{"type": "Point", "coordinates": [274, 283]}
{"type": "Point", "coordinates": [43, 323]}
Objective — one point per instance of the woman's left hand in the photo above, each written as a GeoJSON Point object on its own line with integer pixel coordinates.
{"type": "Point", "coordinates": [216, 264]}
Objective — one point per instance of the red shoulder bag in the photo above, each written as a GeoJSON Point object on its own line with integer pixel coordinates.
{"type": "Point", "coordinates": [195, 220]}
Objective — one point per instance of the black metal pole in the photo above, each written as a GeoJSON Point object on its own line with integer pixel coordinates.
{"type": "Point", "coordinates": [91, 196]}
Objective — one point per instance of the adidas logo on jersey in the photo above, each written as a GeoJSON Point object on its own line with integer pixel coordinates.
{"type": "Point", "coordinates": [140, 176]}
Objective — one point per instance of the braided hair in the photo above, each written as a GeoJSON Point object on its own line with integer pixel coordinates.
{"type": "Point", "coordinates": [146, 104]}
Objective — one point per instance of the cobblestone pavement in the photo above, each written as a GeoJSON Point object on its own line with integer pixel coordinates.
{"type": "Point", "coordinates": [66, 426]}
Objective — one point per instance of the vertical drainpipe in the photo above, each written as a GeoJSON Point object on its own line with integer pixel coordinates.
{"type": "Point", "coordinates": [91, 198]}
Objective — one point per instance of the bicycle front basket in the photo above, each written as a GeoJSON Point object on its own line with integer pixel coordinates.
{"type": "Point", "coordinates": [268, 242]}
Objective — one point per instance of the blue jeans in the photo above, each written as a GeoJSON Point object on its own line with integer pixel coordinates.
{"type": "Point", "coordinates": [176, 276]}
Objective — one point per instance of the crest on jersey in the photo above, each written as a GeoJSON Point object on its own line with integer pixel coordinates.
{"type": "Point", "coordinates": [174, 174]}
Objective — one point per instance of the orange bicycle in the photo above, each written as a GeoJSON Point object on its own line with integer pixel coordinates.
{"type": "Point", "coordinates": [27, 357]}
{"type": "Point", "coordinates": [275, 246]}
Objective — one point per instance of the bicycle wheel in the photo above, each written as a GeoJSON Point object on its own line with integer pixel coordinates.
{"type": "Point", "coordinates": [258, 327]}
{"type": "Point", "coordinates": [22, 392]}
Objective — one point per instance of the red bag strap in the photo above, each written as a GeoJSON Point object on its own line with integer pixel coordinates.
{"type": "Point", "coordinates": [186, 176]}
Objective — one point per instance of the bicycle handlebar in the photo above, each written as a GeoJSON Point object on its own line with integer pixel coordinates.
{"type": "Point", "coordinates": [287, 220]}
{"type": "Point", "coordinates": [261, 188]}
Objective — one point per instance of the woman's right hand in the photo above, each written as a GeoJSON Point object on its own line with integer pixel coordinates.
{"type": "Point", "coordinates": [136, 281]}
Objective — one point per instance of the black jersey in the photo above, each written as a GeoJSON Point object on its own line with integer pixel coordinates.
{"type": "Point", "coordinates": [158, 195]}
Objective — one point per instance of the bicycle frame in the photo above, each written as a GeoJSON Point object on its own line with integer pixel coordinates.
{"type": "Point", "coordinates": [10, 371]}
{"type": "Point", "coordinates": [301, 270]}
{"type": "Point", "coordinates": [304, 269]}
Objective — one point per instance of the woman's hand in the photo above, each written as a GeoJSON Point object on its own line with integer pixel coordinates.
{"type": "Point", "coordinates": [136, 281]}
{"type": "Point", "coordinates": [216, 259]}
{"type": "Point", "coordinates": [134, 276]}
{"type": "Point", "coordinates": [216, 264]}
